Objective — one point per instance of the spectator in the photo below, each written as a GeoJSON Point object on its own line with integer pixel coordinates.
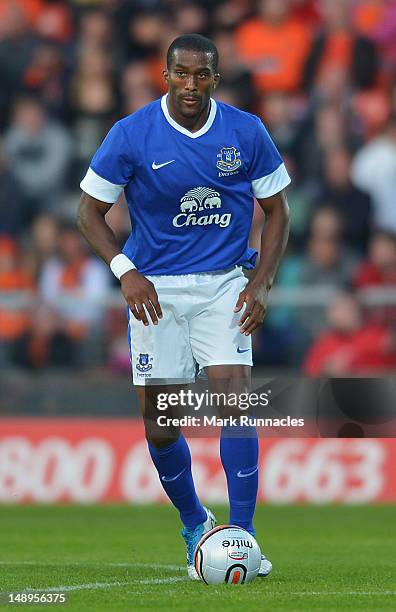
{"type": "Point", "coordinates": [276, 110]}
{"type": "Point", "coordinates": [54, 21]}
{"type": "Point", "coordinates": [351, 346]}
{"type": "Point", "coordinates": [45, 343]}
{"type": "Point", "coordinates": [307, 11]}
{"type": "Point", "coordinates": [327, 266]}
{"type": "Point", "coordinates": [230, 13]}
{"type": "Point", "coordinates": [39, 152]}
{"type": "Point", "coordinates": [42, 244]}
{"type": "Point", "coordinates": [234, 77]}
{"type": "Point", "coordinates": [12, 213]}
{"type": "Point", "coordinates": [371, 110]}
{"type": "Point", "coordinates": [75, 285]}
{"type": "Point", "coordinates": [377, 21]}
{"type": "Point", "coordinates": [17, 44]}
{"type": "Point", "coordinates": [30, 9]}
{"type": "Point", "coordinates": [378, 271]}
{"type": "Point", "coordinates": [137, 86]}
{"type": "Point", "coordinates": [13, 278]}
{"type": "Point", "coordinates": [301, 206]}
{"type": "Point", "coordinates": [46, 77]}
{"type": "Point", "coordinates": [338, 48]}
{"type": "Point", "coordinates": [118, 352]}
{"type": "Point", "coordinates": [191, 17]}
{"type": "Point", "coordinates": [326, 129]}
{"type": "Point", "coordinates": [95, 33]}
{"type": "Point", "coordinates": [93, 103]}
{"type": "Point", "coordinates": [374, 171]}
{"type": "Point", "coordinates": [274, 45]}
{"type": "Point", "coordinates": [145, 33]}
{"type": "Point", "coordinates": [327, 262]}
{"type": "Point", "coordinates": [352, 204]}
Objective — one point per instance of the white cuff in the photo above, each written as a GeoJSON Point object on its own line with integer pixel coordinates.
{"type": "Point", "coordinates": [271, 184]}
{"type": "Point", "coordinates": [99, 188]}
{"type": "Point", "coordinates": [121, 264]}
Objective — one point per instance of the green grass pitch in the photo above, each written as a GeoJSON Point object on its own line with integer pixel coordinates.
{"type": "Point", "coordinates": [117, 557]}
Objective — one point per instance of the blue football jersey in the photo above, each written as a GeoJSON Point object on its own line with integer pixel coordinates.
{"type": "Point", "coordinates": [189, 194]}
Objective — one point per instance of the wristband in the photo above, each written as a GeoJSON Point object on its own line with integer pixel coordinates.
{"type": "Point", "coordinates": [120, 264]}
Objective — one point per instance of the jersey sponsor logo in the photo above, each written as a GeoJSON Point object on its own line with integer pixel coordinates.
{"type": "Point", "coordinates": [158, 166]}
{"type": "Point", "coordinates": [240, 350]}
{"type": "Point", "coordinates": [228, 161]}
{"type": "Point", "coordinates": [197, 200]}
{"type": "Point", "coordinates": [143, 362]}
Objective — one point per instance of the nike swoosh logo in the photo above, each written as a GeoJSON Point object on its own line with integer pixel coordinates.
{"type": "Point", "coordinates": [239, 350]}
{"type": "Point", "coordinates": [166, 479]}
{"type": "Point", "coordinates": [240, 475]}
{"type": "Point", "coordinates": [158, 166]}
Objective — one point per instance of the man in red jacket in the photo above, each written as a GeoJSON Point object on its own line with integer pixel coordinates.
{"type": "Point", "coordinates": [350, 346]}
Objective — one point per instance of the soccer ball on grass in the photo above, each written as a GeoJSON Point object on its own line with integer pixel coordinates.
{"type": "Point", "coordinates": [227, 554]}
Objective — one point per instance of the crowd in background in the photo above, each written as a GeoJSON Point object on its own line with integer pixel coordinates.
{"type": "Point", "coordinates": [322, 76]}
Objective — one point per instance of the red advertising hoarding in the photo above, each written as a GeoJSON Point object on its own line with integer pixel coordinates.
{"type": "Point", "coordinates": [90, 461]}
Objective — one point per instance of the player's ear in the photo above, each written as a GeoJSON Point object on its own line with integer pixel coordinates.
{"type": "Point", "coordinates": [166, 75]}
{"type": "Point", "coordinates": [216, 80]}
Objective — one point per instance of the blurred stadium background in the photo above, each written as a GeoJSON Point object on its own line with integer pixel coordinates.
{"type": "Point", "coordinates": [322, 76]}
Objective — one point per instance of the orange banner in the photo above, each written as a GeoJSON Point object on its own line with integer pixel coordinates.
{"type": "Point", "coordinates": [89, 461]}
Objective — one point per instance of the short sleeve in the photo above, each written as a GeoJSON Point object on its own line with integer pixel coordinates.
{"type": "Point", "coordinates": [266, 168]}
{"type": "Point", "coordinates": [111, 167]}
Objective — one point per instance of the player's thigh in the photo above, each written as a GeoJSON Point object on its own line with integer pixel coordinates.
{"type": "Point", "coordinates": [215, 335]}
{"type": "Point", "coordinates": [161, 354]}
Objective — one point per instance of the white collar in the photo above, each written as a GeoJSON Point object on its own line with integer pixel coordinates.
{"type": "Point", "coordinates": [205, 128]}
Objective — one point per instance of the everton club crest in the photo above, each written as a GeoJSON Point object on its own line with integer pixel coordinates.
{"type": "Point", "coordinates": [143, 362]}
{"type": "Point", "coordinates": [229, 159]}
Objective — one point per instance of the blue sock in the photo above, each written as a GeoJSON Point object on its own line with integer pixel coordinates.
{"type": "Point", "coordinates": [173, 465]}
{"type": "Point", "coordinates": [239, 456]}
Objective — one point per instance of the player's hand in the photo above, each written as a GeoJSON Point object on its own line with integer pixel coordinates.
{"type": "Point", "coordinates": [255, 296]}
{"type": "Point", "coordinates": [141, 296]}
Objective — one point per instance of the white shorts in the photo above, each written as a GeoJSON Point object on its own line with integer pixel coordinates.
{"type": "Point", "coordinates": [199, 328]}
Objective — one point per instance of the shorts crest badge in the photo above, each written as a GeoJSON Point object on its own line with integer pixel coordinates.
{"type": "Point", "coordinates": [143, 364]}
{"type": "Point", "coordinates": [229, 159]}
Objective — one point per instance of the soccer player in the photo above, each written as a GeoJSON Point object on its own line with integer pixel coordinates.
{"type": "Point", "coordinates": [189, 167]}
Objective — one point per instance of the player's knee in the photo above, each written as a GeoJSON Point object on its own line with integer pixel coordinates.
{"type": "Point", "coordinates": [164, 440]}
{"type": "Point", "coordinates": [226, 410]}
{"type": "Point", "coordinates": [231, 386]}
{"type": "Point", "coordinates": [160, 436]}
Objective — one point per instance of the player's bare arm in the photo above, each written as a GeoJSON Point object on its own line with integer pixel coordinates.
{"type": "Point", "coordinates": [138, 291]}
{"type": "Point", "coordinates": [273, 243]}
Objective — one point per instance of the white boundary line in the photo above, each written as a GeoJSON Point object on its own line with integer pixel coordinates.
{"type": "Point", "coordinates": [102, 585]}
{"type": "Point", "coordinates": [94, 564]}
{"type": "Point", "coordinates": [174, 579]}
{"type": "Point", "coordinates": [153, 581]}
{"type": "Point", "coordinates": [105, 585]}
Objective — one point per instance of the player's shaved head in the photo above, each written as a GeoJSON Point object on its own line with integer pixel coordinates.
{"type": "Point", "coordinates": [191, 76]}
{"type": "Point", "coordinates": [193, 42]}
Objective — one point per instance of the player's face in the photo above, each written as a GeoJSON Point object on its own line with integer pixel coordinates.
{"type": "Point", "coordinates": [191, 81]}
